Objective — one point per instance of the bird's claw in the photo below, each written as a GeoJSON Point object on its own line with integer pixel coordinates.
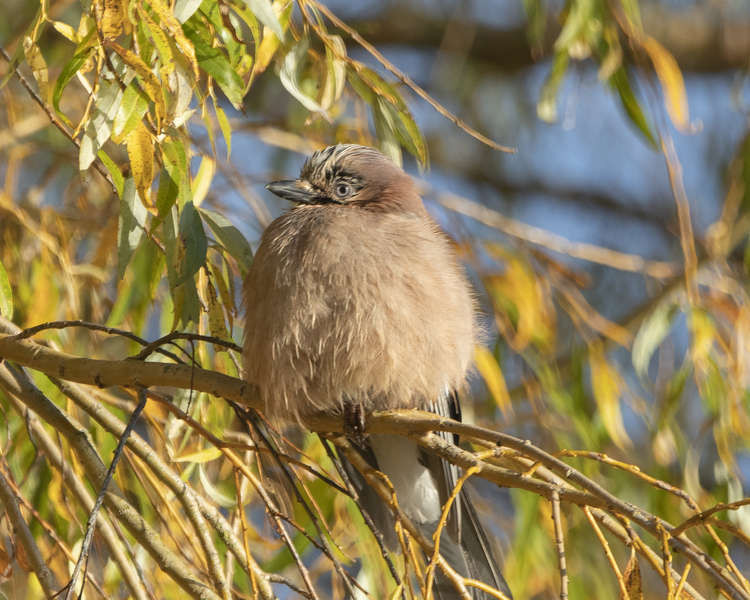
{"type": "Point", "coordinates": [354, 423]}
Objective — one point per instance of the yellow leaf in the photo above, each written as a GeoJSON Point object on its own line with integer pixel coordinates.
{"type": "Point", "coordinates": [66, 31]}
{"type": "Point", "coordinates": [169, 22]}
{"type": "Point", "coordinates": [490, 371]}
{"type": "Point", "coordinates": [201, 456]}
{"type": "Point", "coordinates": [141, 154]}
{"type": "Point", "coordinates": [202, 181]}
{"type": "Point", "coordinates": [38, 65]}
{"type": "Point", "coordinates": [161, 43]}
{"type": "Point", "coordinates": [112, 19]}
{"type": "Point", "coordinates": [606, 384]}
{"type": "Point", "coordinates": [632, 577]}
{"type": "Point", "coordinates": [670, 77]}
{"type": "Point", "coordinates": [519, 295]}
{"type": "Point", "coordinates": [703, 333]}
{"type": "Point", "coordinates": [216, 324]}
{"type": "Point", "coordinates": [151, 82]}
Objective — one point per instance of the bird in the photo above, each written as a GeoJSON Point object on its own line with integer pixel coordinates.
{"type": "Point", "coordinates": [356, 300]}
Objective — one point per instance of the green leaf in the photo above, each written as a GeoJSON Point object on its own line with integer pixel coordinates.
{"type": "Point", "coordinates": [230, 238]}
{"type": "Point", "coordinates": [226, 128]}
{"type": "Point", "coordinates": [621, 83]}
{"type": "Point", "coordinates": [264, 11]}
{"type": "Point", "coordinates": [166, 195]}
{"type": "Point", "coordinates": [99, 125]}
{"type": "Point", "coordinates": [6, 294]}
{"type": "Point", "coordinates": [579, 18]}
{"type": "Point", "coordinates": [291, 71]}
{"type": "Point", "coordinates": [132, 108]}
{"type": "Point", "coordinates": [193, 240]}
{"type": "Point", "coordinates": [68, 72]}
{"type": "Point", "coordinates": [335, 71]}
{"type": "Point", "coordinates": [546, 108]}
{"type": "Point", "coordinates": [215, 63]}
{"type": "Point", "coordinates": [130, 229]}
{"type": "Point", "coordinates": [184, 9]}
{"type": "Point", "coordinates": [175, 161]}
{"type": "Point", "coordinates": [650, 335]}
{"type": "Point", "coordinates": [114, 171]}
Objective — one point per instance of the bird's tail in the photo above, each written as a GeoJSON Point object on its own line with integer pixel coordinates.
{"type": "Point", "coordinates": [477, 558]}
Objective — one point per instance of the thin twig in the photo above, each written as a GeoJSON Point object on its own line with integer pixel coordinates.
{"type": "Point", "coordinates": [406, 80]}
{"type": "Point", "coordinates": [560, 543]}
{"type": "Point", "coordinates": [31, 331]}
{"type": "Point", "coordinates": [557, 243]}
{"type": "Point", "coordinates": [703, 516]}
{"type": "Point", "coordinates": [54, 119]}
{"type": "Point", "coordinates": [607, 552]}
{"type": "Point", "coordinates": [183, 335]}
{"type": "Point", "coordinates": [91, 523]}
{"type": "Point", "coordinates": [377, 534]}
{"type": "Point", "coordinates": [24, 536]}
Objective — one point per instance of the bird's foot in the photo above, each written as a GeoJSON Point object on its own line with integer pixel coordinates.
{"type": "Point", "coordinates": [354, 423]}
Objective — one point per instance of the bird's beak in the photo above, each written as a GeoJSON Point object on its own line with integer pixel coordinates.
{"type": "Point", "coordinates": [295, 190]}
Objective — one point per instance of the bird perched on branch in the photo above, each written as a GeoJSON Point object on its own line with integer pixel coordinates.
{"type": "Point", "coordinates": [356, 300]}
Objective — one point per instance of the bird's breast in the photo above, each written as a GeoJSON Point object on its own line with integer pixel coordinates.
{"type": "Point", "coordinates": [371, 309]}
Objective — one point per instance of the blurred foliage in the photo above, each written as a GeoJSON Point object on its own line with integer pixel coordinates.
{"type": "Point", "coordinates": [109, 214]}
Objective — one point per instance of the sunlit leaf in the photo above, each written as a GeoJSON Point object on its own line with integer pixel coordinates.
{"type": "Point", "coordinates": [201, 456]}
{"type": "Point", "coordinates": [518, 293]}
{"type": "Point", "coordinates": [66, 31]}
{"type": "Point", "coordinates": [335, 71]}
{"type": "Point", "coordinates": [703, 332]}
{"type": "Point", "coordinates": [291, 71]}
{"type": "Point", "coordinates": [68, 72]}
{"type": "Point", "coordinates": [672, 82]}
{"type": "Point", "coordinates": [216, 64]}
{"type": "Point", "coordinates": [151, 82]}
{"type": "Point", "coordinates": [650, 335]}
{"type": "Point", "coordinates": [216, 323]}
{"type": "Point", "coordinates": [578, 18]}
{"type": "Point", "coordinates": [140, 146]}
{"type": "Point", "coordinates": [6, 294]}
{"type": "Point", "coordinates": [606, 384]}
{"type": "Point", "coordinates": [38, 65]}
{"type": "Point", "coordinates": [114, 171]}
{"type": "Point", "coordinates": [546, 107]}
{"type": "Point", "coordinates": [113, 19]}
{"type": "Point", "coordinates": [168, 21]}
{"type": "Point", "coordinates": [226, 128]}
{"type": "Point", "coordinates": [130, 229]}
{"type": "Point", "coordinates": [132, 108]}
{"type": "Point", "coordinates": [184, 9]}
{"type": "Point", "coordinates": [264, 11]}
{"type": "Point", "coordinates": [202, 179]}
{"type": "Point", "coordinates": [492, 374]}
{"type": "Point", "coordinates": [99, 126]}
{"type": "Point", "coordinates": [160, 40]}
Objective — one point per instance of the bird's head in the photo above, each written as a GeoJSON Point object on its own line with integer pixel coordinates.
{"type": "Point", "coordinates": [351, 175]}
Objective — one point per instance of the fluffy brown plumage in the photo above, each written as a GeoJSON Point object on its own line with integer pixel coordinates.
{"type": "Point", "coordinates": [355, 296]}
{"type": "Point", "coordinates": [360, 300]}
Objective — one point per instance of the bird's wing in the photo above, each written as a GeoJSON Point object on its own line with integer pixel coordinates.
{"type": "Point", "coordinates": [446, 473]}
{"type": "Point", "coordinates": [464, 526]}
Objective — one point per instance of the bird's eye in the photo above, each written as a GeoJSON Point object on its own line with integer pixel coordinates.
{"type": "Point", "coordinates": [342, 189]}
